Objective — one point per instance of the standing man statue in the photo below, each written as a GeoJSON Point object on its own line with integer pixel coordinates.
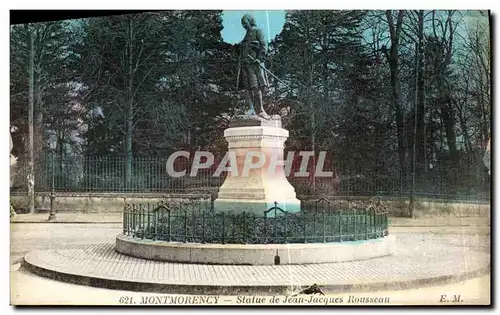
{"type": "Point", "coordinates": [251, 74]}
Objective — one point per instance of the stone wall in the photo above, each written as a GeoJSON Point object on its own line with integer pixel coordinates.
{"type": "Point", "coordinates": [400, 207]}
{"type": "Point", "coordinates": [113, 203]}
{"type": "Point", "coordinates": [95, 203]}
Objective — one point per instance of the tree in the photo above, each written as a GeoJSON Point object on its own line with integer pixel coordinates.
{"type": "Point", "coordinates": [38, 54]}
{"type": "Point", "coordinates": [392, 56]}
{"type": "Point", "coordinates": [159, 82]}
{"type": "Point", "coordinates": [123, 64]}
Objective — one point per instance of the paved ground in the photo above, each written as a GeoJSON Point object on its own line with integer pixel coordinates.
{"type": "Point", "coordinates": [27, 236]}
{"type": "Point", "coordinates": [68, 217]}
{"type": "Point", "coordinates": [419, 259]}
{"type": "Point", "coordinates": [464, 234]}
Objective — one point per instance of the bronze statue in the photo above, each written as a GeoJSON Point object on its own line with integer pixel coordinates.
{"type": "Point", "coordinates": [252, 76]}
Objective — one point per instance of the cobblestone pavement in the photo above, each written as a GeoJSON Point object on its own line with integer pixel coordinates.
{"type": "Point", "coordinates": [26, 237]}
{"type": "Point", "coordinates": [29, 236]}
{"type": "Point", "coordinates": [457, 243]}
{"type": "Point", "coordinates": [68, 217]}
{"type": "Point", "coordinates": [419, 257]}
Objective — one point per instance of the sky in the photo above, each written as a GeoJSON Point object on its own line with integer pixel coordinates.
{"type": "Point", "coordinates": [233, 32]}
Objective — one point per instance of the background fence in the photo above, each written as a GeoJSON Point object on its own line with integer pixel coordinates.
{"type": "Point", "coordinates": [149, 175]}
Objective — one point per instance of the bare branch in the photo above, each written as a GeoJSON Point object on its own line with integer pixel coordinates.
{"type": "Point", "coordinates": [138, 57]}
{"type": "Point", "coordinates": [142, 81]}
{"type": "Point", "coordinates": [399, 23]}
{"type": "Point", "coordinates": [388, 14]}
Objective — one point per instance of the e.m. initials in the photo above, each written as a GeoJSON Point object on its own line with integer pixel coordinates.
{"type": "Point", "coordinates": [445, 299]}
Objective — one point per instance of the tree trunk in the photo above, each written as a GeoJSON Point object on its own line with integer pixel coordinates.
{"type": "Point", "coordinates": [446, 105]}
{"type": "Point", "coordinates": [31, 162]}
{"type": "Point", "coordinates": [129, 157]}
{"type": "Point", "coordinates": [313, 122]}
{"type": "Point", "coordinates": [130, 109]}
{"type": "Point", "coordinates": [414, 153]}
{"type": "Point", "coordinates": [462, 120]}
{"type": "Point", "coordinates": [448, 115]}
{"type": "Point", "coordinates": [312, 111]}
{"type": "Point", "coordinates": [483, 107]}
{"type": "Point", "coordinates": [39, 159]}
{"type": "Point", "coordinates": [420, 158]}
{"type": "Point", "coordinates": [392, 57]}
{"type": "Point", "coordinates": [60, 146]}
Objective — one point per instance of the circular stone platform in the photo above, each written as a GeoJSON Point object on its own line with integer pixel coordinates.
{"type": "Point", "coordinates": [255, 254]}
{"type": "Point", "coordinates": [419, 260]}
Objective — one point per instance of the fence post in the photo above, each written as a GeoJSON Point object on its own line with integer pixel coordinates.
{"type": "Point", "coordinates": [305, 226]}
{"type": "Point", "coordinates": [372, 223]}
{"type": "Point", "coordinates": [155, 215]}
{"type": "Point", "coordinates": [356, 221]}
{"type": "Point", "coordinates": [232, 217]}
{"type": "Point", "coordinates": [265, 227]}
{"type": "Point", "coordinates": [133, 220]}
{"type": "Point", "coordinates": [324, 227]}
{"type": "Point", "coordinates": [314, 216]}
{"type": "Point", "coordinates": [52, 212]}
{"type": "Point", "coordinates": [386, 225]}
{"type": "Point", "coordinates": [340, 224]}
{"type": "Point", "coordinates": [169, 225]}
{"type": "Point", "coordinates": [185, 226]}
{"type": "Point", "coordinates": [124, 228]}
{"type": "Point", "coordinates": [223, 227]}
{"type": "Point", "coordinates": [149, 217]}
{"type": "Point", "coordinates": [366, 224]}
{"type": "Point", "coordinates": [254, 224]}
{"type": "Point", "coordinates": [275, 219]}
{"type": "Point", "coordinates": [203, 228]}
{"type": "Point", "coordinates": [286, 229]}
{"type": "Point", "coordinates": [194, 226]}
{"type": "Point", "coordinates": [142, 220]}
{"type": "Point", "coordinates": [243, 225]}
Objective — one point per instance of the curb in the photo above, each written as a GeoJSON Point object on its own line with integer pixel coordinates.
{"type": "Point", "coordinates": [171, 288]}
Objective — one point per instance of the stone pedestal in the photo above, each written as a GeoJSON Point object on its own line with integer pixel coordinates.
{"type": "Point", "coordinates": [257, 189]}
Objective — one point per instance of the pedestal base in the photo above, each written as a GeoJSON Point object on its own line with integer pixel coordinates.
{"type": "Point", "coordinates": [260, 181]}
{"type": "Point", "coordinates": [255, 254]}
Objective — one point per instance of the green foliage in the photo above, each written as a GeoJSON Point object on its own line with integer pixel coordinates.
{"type": "Point", "coordinates": [164, 72]}
{"type": "Point", "coordinates": [53, 78]}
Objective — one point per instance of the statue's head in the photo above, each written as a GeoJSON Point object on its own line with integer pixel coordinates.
{"type": "Point", "coordinates": [248, 21]}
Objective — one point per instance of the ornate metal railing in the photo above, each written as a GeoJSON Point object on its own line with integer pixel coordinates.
{"type": "Point", "coordinates": [200, 224]}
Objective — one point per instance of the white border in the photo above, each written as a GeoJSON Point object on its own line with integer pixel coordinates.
{"type": "Point", "coordinates": [187, 4]}
{"type": "Point", "coordinates": [249, 4]}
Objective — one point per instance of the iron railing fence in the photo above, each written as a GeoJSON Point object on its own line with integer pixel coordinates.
{"type": "Point", "coordinates": [201, 224]}
{"type": "Point", "coordinates": [149, 175]}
